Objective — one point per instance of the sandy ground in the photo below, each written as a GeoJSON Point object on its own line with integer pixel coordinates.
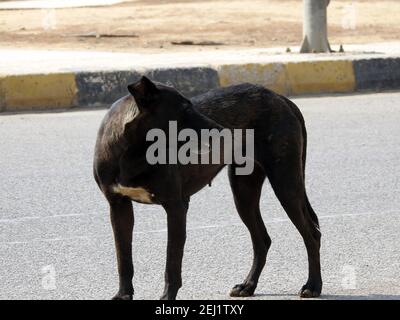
{"type": "Point", "coordinates": [154, 25]}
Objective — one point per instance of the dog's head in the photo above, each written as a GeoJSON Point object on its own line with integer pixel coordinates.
{"type": "Point", "coordinates": [157, 101]}
{"type": "Point", "coordinates": [159, 104]}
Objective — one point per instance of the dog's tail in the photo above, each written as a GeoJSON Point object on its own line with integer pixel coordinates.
{"type": "Point", "coordinates": [300, 117]}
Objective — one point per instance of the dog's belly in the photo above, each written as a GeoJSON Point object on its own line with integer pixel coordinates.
{"type": "Point", "coordinates": [137, 194]}
{"type": "Point", "coordinates": [196, 177]}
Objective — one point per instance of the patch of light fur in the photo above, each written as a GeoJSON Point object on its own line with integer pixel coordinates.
{"type": "Point", "coordinates": [137, 194]}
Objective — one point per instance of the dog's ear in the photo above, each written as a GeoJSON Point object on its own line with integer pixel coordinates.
{"type": "Point", "coordinates": [144, 92]}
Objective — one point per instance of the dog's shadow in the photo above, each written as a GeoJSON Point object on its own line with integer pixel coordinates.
{"type": "Point", "coordinates": [329, 297]}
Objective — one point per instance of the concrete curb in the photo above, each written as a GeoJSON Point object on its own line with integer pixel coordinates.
{"type": "Point", "coordinates": [88, 89]}
{"type": "Point", "coordinates": [377, 74]}
{"type": "Point", "coordinates": [38, 91]}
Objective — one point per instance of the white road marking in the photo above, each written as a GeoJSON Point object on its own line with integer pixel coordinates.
{"type": "Point", "coordinates": [323, 217]}
{"type": "Point", "coordinates": [27, 218]}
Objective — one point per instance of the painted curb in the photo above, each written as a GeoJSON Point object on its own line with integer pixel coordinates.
{"type": "Point", "coordinates": [103, 88]}
{"type": "Point", "coordinates": [377, 74]}
{"type": "Point", "coordinates": [92, 89]}
{"type": "Point", "coordinates": [40, 91]}
{"type": "Point", "coordinates": [189, 81]}
{"type": "Point", "coordinates": [320, 77]}
{"type": "Point", "coordinates": [271, 75]}
{"type": "Point", "coordinates": [294, 78]}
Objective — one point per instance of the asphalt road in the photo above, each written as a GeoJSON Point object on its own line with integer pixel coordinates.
{"type": "Point", "coordinates": [56, 240]}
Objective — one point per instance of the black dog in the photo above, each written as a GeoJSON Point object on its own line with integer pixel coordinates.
{"type": "Point", "coordinates": [123, 174]}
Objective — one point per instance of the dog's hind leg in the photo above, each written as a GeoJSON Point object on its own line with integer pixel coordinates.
{"type": "Point", "coordinates": [246, 191]}
{"type": "Point", "coordinates": [287, 180]}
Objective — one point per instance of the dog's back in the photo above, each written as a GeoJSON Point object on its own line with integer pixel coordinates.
{"type": "Point", "coordinates": [242, 106]}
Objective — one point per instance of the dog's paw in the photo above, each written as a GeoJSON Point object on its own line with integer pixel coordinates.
{"type": "Point", "coordinates": [169, 295]}
{"type": "Point", "coordinates": [243, 290]}
{"type": "Point", "coordinates": [120, 296]}
{"type": "Point", "coordinates": [310, 291]}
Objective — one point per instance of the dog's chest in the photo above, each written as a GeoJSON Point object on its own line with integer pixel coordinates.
{"type": "Point", "coordinates": [138, 194]}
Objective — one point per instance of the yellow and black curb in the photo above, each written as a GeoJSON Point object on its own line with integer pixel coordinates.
{"type": "Point", "coordinates": [88, 89]}
{"type": "Point", "coordinates": [37, 91]}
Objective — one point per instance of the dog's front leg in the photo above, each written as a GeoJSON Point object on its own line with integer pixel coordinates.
{"type": "Point", "coordinates": [176, 216]}
{"type": "Point", "coordinates": [122, 222]}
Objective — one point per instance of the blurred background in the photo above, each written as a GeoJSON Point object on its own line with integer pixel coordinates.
{"type": "Point", "coordinates": [160, 25]}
